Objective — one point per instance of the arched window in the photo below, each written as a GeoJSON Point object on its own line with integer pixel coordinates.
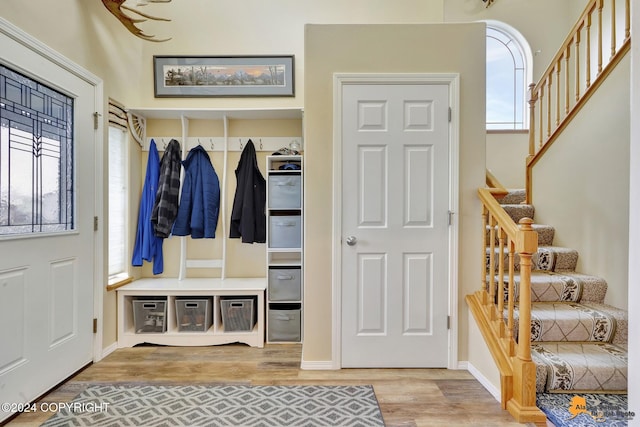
{"type": "Point", "coordinates": [509, 64]}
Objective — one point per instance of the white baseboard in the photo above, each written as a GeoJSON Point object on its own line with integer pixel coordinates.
{"type": "Point", "coordinates": [110, 349]}
{"type": "Point", "coordinates": [322, 365]}
{"type": "Point", "coordinates": [483, 380]}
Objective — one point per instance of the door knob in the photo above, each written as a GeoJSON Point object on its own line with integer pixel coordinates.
{"type": "Point", "coordinates": [351, 240]}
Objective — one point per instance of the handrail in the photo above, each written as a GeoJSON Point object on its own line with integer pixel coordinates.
{"type": "Point", "coordinates": [493, 183]}
{"type": "Point", "coordinates": [574, 74]}
{"type": "Point", "coordinates": [495, 314]}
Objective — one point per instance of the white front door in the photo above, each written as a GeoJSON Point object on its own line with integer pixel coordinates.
{"type": "Point", "coordinates": [395, 221]}
{"type": "Point", "coordinates": [47, 187]}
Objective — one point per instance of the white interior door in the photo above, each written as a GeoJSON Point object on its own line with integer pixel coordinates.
{"type": "Point", "coordinates": [395, 220]}
{"type": "Point", "coordinates": [46, 185]}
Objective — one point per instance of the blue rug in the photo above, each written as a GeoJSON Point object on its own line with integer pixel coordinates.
{"type": "Point", "coordinates": [226, 405]}
{"type": "Point", "coordinates": [585, 409]}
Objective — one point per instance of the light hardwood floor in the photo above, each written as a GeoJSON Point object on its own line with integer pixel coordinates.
{"type": "Point", "coordinates": [407, 397]}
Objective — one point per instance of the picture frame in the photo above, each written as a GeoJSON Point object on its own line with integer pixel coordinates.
{"type": "Point", "coordinates": [223, 76]}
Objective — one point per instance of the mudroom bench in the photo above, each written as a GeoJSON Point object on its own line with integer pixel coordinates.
{"type": "Point", "coordinates": [192, 312]}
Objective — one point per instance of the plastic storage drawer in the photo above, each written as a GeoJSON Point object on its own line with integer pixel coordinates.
{"type": "Point", "coordinates": [150, 316]}
{"type": "Point", "coordinates": [285, 231]}
{"type": "Point", "coordinates": [284, 324]}
{"type": "Point", "coordinates": [238, 314]}
{"type": "Point", "coordinates": [285, 191]}
{"type": "Point", "coordinates": [285, 284]}
{"type": "Point", "coordinates": [193, 314]}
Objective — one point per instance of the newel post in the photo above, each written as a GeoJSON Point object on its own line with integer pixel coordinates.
{"type": "Point", "coordinates": [524, 392]}
{"type": "Point", "coordinates": [533, 99]}
{"type": "Point", "coordinates": [526, 246]}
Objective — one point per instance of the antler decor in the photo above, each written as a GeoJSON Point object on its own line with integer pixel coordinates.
{"type": "Point", "coordinates": [116, 8]}
{"type": "Point", "coordinates": [488, 3]}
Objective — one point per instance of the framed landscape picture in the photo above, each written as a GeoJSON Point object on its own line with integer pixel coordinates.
{"type": "Point", "coordinates": [215, 76]}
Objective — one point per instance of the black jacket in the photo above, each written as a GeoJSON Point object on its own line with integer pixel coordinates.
{"type": "Point", "coordinates": [247, 216]}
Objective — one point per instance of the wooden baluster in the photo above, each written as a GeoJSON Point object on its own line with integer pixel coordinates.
{"type": "Point", "coordinates": [567, 82]}
{"type": "Point", "coordinates": [600, 31]}
{"type": "Point", "coordinates": [541, 119]}
{"type": "Point", "coordinates": [492, 266]}
{"type": "Point", "coordinates": [558, 65]}
{"type": "Point", "coordinates": [533, 98]}
{"type": "Point", "coordinates": [549, 84]}
{"type": "Point", "coordinates": [501, 281]}
{"type": "Point", "coordinates": [613, 29]}
{"type": "Point", "coordinates": [577, 62]}
{"type": "Point", "coordinates": [511, 298]}
{"type": "Point", "coordinates": [484, 283]}
{"type": "Point", "coordinates": [627, 19]}
{"type": "Point", "coordinates": [587, 49]}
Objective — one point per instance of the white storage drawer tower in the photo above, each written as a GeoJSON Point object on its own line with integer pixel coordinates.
{"type": "Point", "coordinates": [284, 248]}
{"type": "Point", "coordinates": [197, 301]}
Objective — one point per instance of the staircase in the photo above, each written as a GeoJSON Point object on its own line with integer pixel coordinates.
{"type": "Point", "coordinates": [578, 343]}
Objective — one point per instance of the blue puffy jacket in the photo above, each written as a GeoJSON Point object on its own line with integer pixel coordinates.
{"type": "Point", "coordinates": [200, 199]}
{"type": "Point", "coordinates": [148, 246]}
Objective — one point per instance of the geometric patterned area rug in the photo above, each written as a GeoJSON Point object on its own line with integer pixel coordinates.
{"type": "Point", "coordinates": [585, 409]}
{"type": "Point", "coordinates": [224, 405]}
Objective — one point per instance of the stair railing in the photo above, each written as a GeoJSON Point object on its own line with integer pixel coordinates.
{"type": "Point", "coordinates": [493, 183]}
{"type": "Point", "coordinates": [494, 304]}
{"type": "Point", "coordinates": [577, 70]}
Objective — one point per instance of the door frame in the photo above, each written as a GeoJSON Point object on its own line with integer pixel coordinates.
{"type": "Point", "coordinates": [48, 54]}
{"type": "Point", "coordinates": [339, 80]}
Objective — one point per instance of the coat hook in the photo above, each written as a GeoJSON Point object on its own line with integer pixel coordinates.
{"type": "Point", "coordinates": [212, 144]}
{"type": "Point", "coordinates": [260, 144]}
{"type": "Point", "coordinates": [199, 143]}
{"type": "Point", "coordinates": [164, 144]}
{"type": "Point", "coordinates": [240, 139]}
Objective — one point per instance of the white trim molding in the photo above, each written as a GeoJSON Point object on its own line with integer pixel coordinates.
{"type": "Point", "coordinates": [483, 380]}
{"type": "Point", "coordinates": [453, 81]}
{"type": "Point", "coordinates": [321, 365]}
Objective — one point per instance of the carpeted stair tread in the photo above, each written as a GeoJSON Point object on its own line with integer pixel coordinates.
{"type": "Point", "coordinates": [621, 334]}
{"type": "Point", "coordinates": [567, 286]}
{"type": "Point", "coordinates": [546, 233]}
{"type": "Point", "coordinates": [575, 367]}
{"type": "Point", "coordinates": [575, 322]}
{"type": "Point", "coordinates": [555, 258]}
{"type": "Point", "coordinates": [550, 258]}
{"type": "Point", "coordinates": [517, 212]}
{"type": "Point", "coordinates": [514, 197]}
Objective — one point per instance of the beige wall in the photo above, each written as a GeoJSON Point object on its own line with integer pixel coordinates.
{"type": "Point", "coordinates": [385, 49]}
{"type": "Point", "coordinates": [506, 157]}
{"type": "Point", "coordinates": [586, 171]}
